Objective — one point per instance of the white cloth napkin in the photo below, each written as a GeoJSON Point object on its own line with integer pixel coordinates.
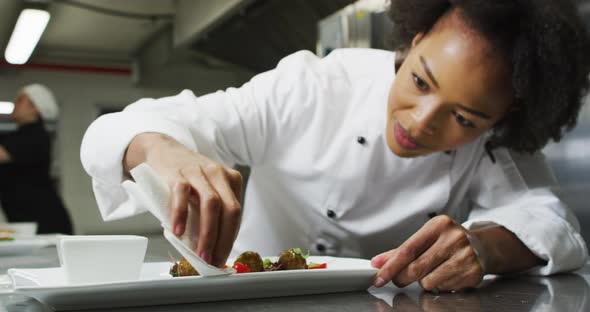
{"type": "Point", "coordinates": [151, 191]}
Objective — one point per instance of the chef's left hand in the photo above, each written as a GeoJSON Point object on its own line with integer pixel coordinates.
{"type": "Point", "coordinates": [439, 256]}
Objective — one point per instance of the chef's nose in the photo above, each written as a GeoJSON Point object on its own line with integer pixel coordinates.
{"type": "Point", "coordinates": [424, 115]}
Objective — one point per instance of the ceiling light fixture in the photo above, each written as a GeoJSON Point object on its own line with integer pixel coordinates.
{"type": "Point", "coordinates": [6, 108]}
{"type": "Point", "coordinates": [28, 30]}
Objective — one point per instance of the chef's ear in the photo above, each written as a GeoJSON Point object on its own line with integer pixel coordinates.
{"type": "Point", "coordinates": [417, 38]}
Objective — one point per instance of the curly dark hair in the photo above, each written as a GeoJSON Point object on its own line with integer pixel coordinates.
{"type": "Point", "coordinates": [544, 42]}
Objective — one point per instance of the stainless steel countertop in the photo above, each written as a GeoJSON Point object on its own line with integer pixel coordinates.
{"type": "Point", "coordinates": [565, 292]}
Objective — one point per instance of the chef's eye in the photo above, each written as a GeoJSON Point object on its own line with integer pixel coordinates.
{"type": "Point", "coordinates": [464, 122]}
{"type": "Point", "coordinates": [420, 83]}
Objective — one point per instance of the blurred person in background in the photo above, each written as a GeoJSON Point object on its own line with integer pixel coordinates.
{"type": "Point", "coordinates": [27, 191]}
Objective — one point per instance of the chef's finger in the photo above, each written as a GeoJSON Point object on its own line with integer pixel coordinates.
{"type": "Point", "coordinates": [450, 241]}
{"type": "Point", "coordinates": [229, 214]}
{"type": "Point", "coordinates": [454, 274]}
{"type": "Point", "coordinates": [455, 284]}
{"type": "Point", "coordinates": [434, 281]}
{"type": "Point", "coordinates": [408, 252]}
{"type": "Point", "coordinates": [379, 260]}
{"type": "Point", "coordinates": [468, 277]}
{"type": "Point", "coordinates": [228, 230]}
{"type": "Point", "coordinates": [209, 210]}
{"type": "Point", "coordinates": [423, 265]}
{"type": "Point", "coordinates": [193, 197]}
{"type": "Point", "coordinates": [235, 181]}
{"type": "Point", "coordinates": [179, 205]}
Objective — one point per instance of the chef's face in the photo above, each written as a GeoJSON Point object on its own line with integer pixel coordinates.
{"type": "Point", "coordinates": [24, 110]}
{"type": "Point", "coordinates": [451, 88]}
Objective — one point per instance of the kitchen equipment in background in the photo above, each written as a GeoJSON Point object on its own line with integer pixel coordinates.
{"type": "Point", "coordinates": [570, 161]}
{"type": "Point", "coordinates": [363, 24]}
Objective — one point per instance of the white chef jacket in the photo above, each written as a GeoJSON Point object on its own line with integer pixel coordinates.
{"type": "Point", "coordinates": [322, 176]}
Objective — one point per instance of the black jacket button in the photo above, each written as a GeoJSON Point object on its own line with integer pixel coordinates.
{"type": "Point", "coordinates": [320, 247]}
{"type": "Point", "coordinates": [361, 140]}
{"type": "Point", "coordinates": [331, 214]}
{"type": "Point", "coordinates": [432, 215]}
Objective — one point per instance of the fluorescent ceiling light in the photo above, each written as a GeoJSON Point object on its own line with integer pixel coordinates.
{"type": "Point", "coordinates": [27, 32]}
{"type": "Point", "coordinates": [6, 108]}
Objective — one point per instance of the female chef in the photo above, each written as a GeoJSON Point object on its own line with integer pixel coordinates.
{"type": "Point", "coordinates": [369, 153]}
{"type": "Point", "coordinates": [27, 191]}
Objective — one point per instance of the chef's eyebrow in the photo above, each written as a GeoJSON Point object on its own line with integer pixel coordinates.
{"type": "Point", "coordinates": [461, 106]}
{"type": "Point", "coordinates": [474, 112]}
{"type": "Point", "coordinates": [428, 71]}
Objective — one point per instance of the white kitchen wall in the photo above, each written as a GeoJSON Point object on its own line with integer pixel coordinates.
{"type": "Point", "coordinates": [80, 95]}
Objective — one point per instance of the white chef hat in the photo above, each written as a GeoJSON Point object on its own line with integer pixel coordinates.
{"type": "Point", "coordinates": [43, 99]}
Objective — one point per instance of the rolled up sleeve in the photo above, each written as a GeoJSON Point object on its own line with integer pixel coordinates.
{"type": "Point", "coordinates": [235, 126]}
{"type": "Point", "coordinates": [102, 151]}
{"type": "Point", "coordinates": [519, 193]}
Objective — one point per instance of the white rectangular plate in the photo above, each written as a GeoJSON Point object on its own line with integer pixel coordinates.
{"type": "Point", "coordinates": [157, 287]}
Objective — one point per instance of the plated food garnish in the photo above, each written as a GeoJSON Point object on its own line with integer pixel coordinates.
{"type": "Point", "coordinates": [6, 235]}
{"type": "Point", "coordinates": [183, 268]}
{"type": "Point", "coordinates": [250, 261]}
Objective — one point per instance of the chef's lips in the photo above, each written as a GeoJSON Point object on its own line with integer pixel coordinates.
{"type": "Point", "coordinates": [402, 137]}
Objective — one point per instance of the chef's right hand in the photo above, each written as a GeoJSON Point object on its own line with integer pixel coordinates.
{"type": "Point", "coordinates": [198, 183]}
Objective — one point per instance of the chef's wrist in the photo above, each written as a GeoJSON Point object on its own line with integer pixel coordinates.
{"type": "Point", "coordinates": [138, 149]}
{"type": "Point", "coordinates": [481, 253]}
{"type": "Point", "coordinates": [491, 242]}
{"type": "Point", "coordinates": [503, 251]}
